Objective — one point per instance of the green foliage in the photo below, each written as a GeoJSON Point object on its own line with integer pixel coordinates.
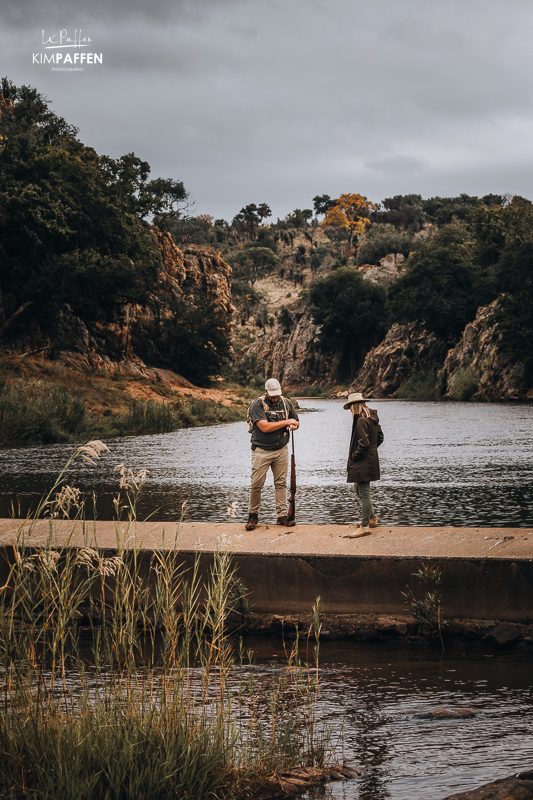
{"type": "Point", "coordinates": [350, 312]}
{"type": "Point", "coordinates": [419, 387]}
{"type": "Point", "coordinates": [321, 203]}
{"type": "Point", "coordinates": [71, 228]}
{"type": "Point", "coordinates": [194, 339]}
{"type": "Point", "coordinates": [285, 319]}
{"type": "Point", "coordinates": [465, 383]}
{"type": "Point", "coordinates": [36, 413]}
{"type": "Point", "coordinates": [316, 390]}
{"type": "Point", "coordinates": [299, 218]}
{"type": "Point", "coordinates": [247, 371]}
{"type": "Point", "coordinates": [405, 212]}
{"type": "Point", "coordinates": [442, 287]}
{"type": "Point", "coordinates": [381, 240]}
{"type": "Point", "coordinates": [253, 263]}
{"type": "Point", "coordinates": [426, 609]}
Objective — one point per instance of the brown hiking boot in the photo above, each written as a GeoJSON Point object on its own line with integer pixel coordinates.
{"type": "Point", "coordinates": [360, 531]}
{"type": "Point", "coordinates": [373, 523]}
{"type": "Point", "coordinates": [288, 523]}
{"type": "Point", "coordinates": [253, 519]}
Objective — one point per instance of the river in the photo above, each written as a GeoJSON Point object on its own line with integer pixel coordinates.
{"type": "Point", "coordinates": [378, 696]}
{"type": "Point", "coordinates": [442, 464]}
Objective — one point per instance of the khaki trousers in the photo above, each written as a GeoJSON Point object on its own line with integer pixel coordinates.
{"type": "Point", "coordinates": [278, 461]}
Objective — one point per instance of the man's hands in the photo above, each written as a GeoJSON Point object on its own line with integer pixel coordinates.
{"type": "Point", "coordinates": [270, 427]}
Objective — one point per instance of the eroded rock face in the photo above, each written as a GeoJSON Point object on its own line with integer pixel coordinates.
{"type": "Point", "coordinates": [294, 357]}
{"type": "Point", "coordinates": [114, 343]}
{"type": "Point", "coordinates": [402, 353]}
{"type": "Point", "coordinates": [477, 367]}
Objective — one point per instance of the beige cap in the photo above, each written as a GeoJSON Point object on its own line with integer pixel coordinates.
{"type": "Point", "coordinates": [356, 397]}
{"type": "Point", "coordinates": [273, 387]}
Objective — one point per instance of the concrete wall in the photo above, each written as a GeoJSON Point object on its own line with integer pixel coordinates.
{"type": "Point", "coordinates": [484, 589]}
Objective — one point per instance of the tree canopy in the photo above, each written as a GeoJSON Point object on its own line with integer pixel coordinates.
{"type": "Point", "coordinates": [351, 314]}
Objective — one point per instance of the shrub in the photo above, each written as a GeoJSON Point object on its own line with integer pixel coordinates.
{"type": "Point", "coordinates": [465, 383]}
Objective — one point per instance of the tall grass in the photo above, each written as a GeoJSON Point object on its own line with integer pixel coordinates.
{"type": "Point", "coordinates": [150, 696]}
{"type": "Point", "coordinates": [32, 412]}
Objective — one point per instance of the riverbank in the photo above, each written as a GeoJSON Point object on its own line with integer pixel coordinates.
{"type": "Point", "coordinates": [48, 402]}
{"type": "Point", "coordinates": [487, 573]}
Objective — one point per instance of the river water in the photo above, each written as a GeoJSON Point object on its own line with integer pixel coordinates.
{"type": "Point", "coordinates": [378, 696]}
{"type": "Point", "coordinates": [442, 464]}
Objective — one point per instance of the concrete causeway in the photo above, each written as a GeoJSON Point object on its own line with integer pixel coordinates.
{"type": "Point", "coordinates": [487, 572]}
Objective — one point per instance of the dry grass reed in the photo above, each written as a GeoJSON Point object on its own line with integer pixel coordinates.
{"type": "Point", "coordinates": [121, 681]}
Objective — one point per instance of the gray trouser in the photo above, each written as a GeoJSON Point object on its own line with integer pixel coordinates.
{"type": "Point", "coordinates": [362, 491]}
{"type": "Point", "coordinates": [278, 461]}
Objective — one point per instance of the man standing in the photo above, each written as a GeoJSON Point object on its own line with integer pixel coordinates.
{"type": "Point", "coordinates": [271, 417]}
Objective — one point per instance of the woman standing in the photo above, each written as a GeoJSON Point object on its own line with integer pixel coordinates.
{"type": "Point", "coordinates": [363, 460]}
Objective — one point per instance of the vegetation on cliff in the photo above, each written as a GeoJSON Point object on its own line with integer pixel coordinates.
{"type": "Point", "coordinates": [75, 242]}
{"type": "Point", "coordinates": [307, 297]}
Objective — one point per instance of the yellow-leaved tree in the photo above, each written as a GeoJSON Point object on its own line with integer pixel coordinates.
{"type": "Point", "coordinates": [350, 212]}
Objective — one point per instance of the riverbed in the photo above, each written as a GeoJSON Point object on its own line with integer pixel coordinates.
{"type": "Point", "coordinates": [457, 464]}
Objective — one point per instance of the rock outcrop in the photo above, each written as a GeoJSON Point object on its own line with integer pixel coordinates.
{"type": "Point", "coordinates": [294, 357]}
{"type": "Point", "coordinates": [476, 368]}
{"type": "Point", "coordinates": [387, 271]}
{"type": "Point", "coordinates": [121, 342]}
{"type": "Point", "coordinates": [403, 353]}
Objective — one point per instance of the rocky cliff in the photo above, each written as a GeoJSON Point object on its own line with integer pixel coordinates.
{"type": "Point", "coordinates": [294, 357]}
{"type": "Point", "coordinates": [118, 342]}
{"type": "Point", "coordinates": [476, 367]}
{"type": "Point", "coordinates": [403, 353]}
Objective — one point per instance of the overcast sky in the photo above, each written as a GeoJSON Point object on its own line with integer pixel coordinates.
{"type": "Point", "coordinates": [277, 101]}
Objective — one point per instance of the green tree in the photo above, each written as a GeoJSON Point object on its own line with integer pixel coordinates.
{"type": "Point", "coordinates": [254, 263]}
{"type": "Point", "coordinates": [321, 203]}
{"type": "Point", "coordinates": [71, 227]}
{"type": "Point", "coordinates": [380, 240]}
{"type": "Point", "coordinates": [442, 287]}
{"type": "Point", "coordinates": [195, 339]}
{"type": "Point", "coordinates": [350, 313]}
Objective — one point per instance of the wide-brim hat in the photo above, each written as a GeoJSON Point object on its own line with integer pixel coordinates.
{"type": "Point", "coordinates": [355, 397]}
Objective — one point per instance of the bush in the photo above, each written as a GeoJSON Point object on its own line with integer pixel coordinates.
{"type": "Point", "coordinates": [465, 384]}
{"type": "Point", "coordinates": [419, 387]}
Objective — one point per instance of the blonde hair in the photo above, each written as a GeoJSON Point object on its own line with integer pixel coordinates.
{"type": "Point", "coordinates": [360, 409]}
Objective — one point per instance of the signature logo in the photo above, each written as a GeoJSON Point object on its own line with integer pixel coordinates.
{"type": "Point", "coordinates": [66, 51]}
{"type": "Point", "coordinates": [63, 39]}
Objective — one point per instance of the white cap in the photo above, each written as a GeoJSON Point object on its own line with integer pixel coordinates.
{"type": "Point", "coordinates": [273, 387]}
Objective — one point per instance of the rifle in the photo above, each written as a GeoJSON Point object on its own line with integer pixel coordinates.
{"type": "Point", "coordinates": [292, 504]}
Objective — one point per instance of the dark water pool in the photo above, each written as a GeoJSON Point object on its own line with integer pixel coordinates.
{"type": "Point", "coordinates": [376, 696]}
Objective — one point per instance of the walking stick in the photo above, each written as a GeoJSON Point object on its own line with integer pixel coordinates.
{"type": "Point", "coordinates": [292, 503]}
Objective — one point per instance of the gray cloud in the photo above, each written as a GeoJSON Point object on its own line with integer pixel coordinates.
{"type": "Point", "coordinates": [276, 101]}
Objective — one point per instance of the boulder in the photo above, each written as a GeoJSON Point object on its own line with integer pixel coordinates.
{"type": "Point", "coordinates": [517, 787]}
{"type": "Point", "coordinates": [503, 635]}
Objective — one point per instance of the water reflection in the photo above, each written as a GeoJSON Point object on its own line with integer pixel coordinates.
{"type": "Point", "coordinates": [380, 696]}
{"type": "Point", "coordinates": [442, 464]}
